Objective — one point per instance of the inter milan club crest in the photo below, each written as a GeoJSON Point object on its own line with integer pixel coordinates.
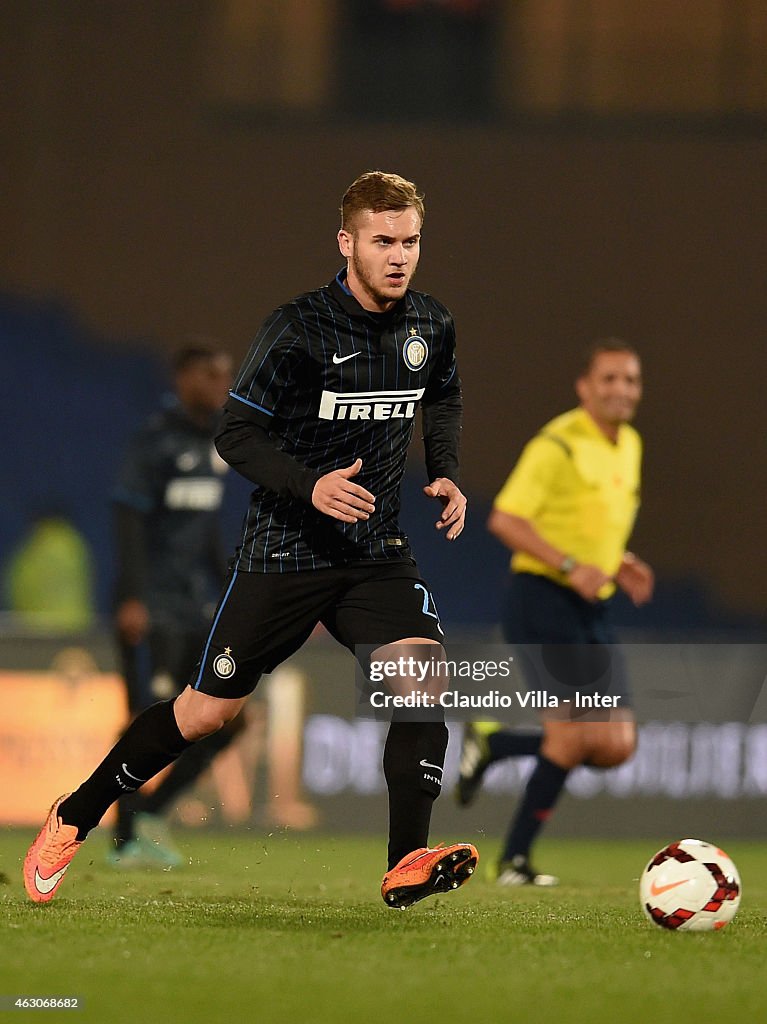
{"type": "Point", "coordinates": [224, 665]}
{"type": "Point", "coordinates": [415, 351]}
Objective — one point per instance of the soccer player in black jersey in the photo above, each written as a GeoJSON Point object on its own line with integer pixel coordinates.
{"type": "Point", "coordinates": [319, 419]}
{"type": "Point", "coordinates": [170, 565]}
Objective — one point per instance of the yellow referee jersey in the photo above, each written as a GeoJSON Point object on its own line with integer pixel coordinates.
{"type": "Point", "coordinates": [580, 492]}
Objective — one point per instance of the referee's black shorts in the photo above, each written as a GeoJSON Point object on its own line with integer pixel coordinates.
{"type": "Point", "coordinates": [563, 642]}
{"type": "Point", "coordinates": [263, 618]}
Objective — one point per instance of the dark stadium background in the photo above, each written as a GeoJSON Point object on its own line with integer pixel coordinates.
{"type": "Point", "coordinates": [174, 169]}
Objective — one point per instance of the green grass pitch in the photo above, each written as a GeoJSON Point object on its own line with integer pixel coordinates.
{"type": "Point", "coordinates": [292, 929]}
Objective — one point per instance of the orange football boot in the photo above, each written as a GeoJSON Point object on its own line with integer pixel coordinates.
{"type": "Point", "coordinates": [426, 872]}
{"type": "Point", "coordinates": [49, 856]}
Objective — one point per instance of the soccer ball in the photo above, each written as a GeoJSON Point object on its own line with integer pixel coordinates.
{"type": "Point", "coordinates": [690, 886]}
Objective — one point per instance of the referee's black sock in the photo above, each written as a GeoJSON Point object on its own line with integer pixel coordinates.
{"type": "Point", "coordinates": [514, 743]}
{"type": "Point", "coordinates": [413, 759]}
{"type": "Point", "coordinates": [150, 743]}
{"type": "Point", "coordinates": [541, 794]}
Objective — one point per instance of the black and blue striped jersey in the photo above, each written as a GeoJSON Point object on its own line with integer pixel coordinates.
{"type": "Point", "coordinates": [170, 554]}
{"type": "Point", "coordinates": [333, 382]}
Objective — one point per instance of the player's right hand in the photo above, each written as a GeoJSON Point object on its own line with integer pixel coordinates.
{"type": "Point", "coordinates": [587, 580]}
{"type": "Point", "coordinates": [132, 619]}
{"type": "Point", "coordinates": [335, 495]}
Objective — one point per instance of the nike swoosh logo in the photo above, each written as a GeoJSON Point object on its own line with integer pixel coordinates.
{"type": "Point", "coordinates": [134, 777]}
{"type": "Point", "coordinates": [342, 359]}
{"type": "Point", "coordinates": [428, 764]}
{"type": "Point", "coordinates": [656, 890]}
{"type": "Point", "coordinates": [45, 885]}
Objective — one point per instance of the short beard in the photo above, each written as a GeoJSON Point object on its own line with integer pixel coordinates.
{"type": "Point", "coordinates": [367, 284]}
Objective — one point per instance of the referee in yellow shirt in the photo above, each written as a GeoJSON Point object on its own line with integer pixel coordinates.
{"type": "Point", "coordinates": [567, 511]}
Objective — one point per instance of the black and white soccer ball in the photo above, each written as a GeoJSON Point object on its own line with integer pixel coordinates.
{"type": "Point", "coordinates": [690, 886]}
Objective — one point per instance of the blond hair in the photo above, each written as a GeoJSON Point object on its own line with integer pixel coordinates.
{"type": "Point", "coordinates": [377, 191]}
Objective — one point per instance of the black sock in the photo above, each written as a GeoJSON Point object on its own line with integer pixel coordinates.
{"type": "Point", "coordinates": [514, 743]}
{"type": "Point", "coordinates": [152, 741]}
{"type": "Point", "coordinates": [413, 758]}
{"type": "Point", "coordinates": [189, 767]}
{"type": "Point", "coordinates": [541, 794]}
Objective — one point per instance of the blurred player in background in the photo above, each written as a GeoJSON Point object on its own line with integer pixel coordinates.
{"type": "Point", "coordinates": [170, 566]}
{"type": "Point", "coordinates": [567, 511]}
{"type": "Point", "coordinates": [320, 419]}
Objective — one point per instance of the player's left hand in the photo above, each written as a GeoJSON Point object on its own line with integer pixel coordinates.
{"type": "Point", "coordinates": [453, 516]}
{"type": "Point", "coordinates": [635, 578]}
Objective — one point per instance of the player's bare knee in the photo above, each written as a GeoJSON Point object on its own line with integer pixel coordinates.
{"type": "Point", "coordinates": [199, 715]}
{"type": "Point", "coordinates": [412, 667]}
{"type": "Point", "coordinates": [626, 749]}
{"type": "Point", "coordinates": [566, 747]}
{"type": "Point", "coordinates": [626, 741]}
{"type": "Point", "coordinates": [612, 749]}
{"type": "Point", "coordinates": [207, 723]}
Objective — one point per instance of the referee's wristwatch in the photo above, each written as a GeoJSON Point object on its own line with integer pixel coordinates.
{"type": "Point", "coordinates": [567, 565]}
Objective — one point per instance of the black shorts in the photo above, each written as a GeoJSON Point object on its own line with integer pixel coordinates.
{"type": "Point", "coordinates": [263, 618]}
{"type": "Point", "coordinates": [563, 642]}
